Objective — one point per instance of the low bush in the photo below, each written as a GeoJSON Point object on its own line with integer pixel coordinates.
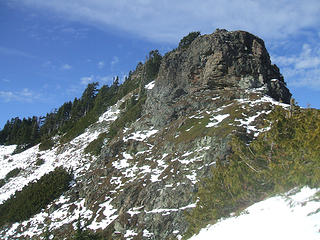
{"type": "Point", "coordinates": [286, 156]}
{"type": "Point", "coordinates": [39, 162]}
{"type": "Point", "coordinates": [12, 173]}
{"type": "Point", "coordinates": [95, 146]}
{"type": "Point", "coordinates": [46, 144]}
{"type": "Point", "coordinates": [132, 113]}
{"type": "Point", "coordinates": [35, 196]}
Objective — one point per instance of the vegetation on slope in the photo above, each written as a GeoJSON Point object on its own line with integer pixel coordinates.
{"type": "Point", "coordinates": [133, 107]}
{"type": "Point", "coordinates": [286, 156]}
{"type": "Point", "coordinates": [35, 196]}
{"type": "Point", "coordinates": [13, 173]}
{"type": "Point", "coordinates": [72, 118]}
{"type": "Point", "coordinates": [187, 40]}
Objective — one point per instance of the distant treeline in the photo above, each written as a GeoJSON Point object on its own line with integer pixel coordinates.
{"type": "Point", "coordinates": [72, 118]}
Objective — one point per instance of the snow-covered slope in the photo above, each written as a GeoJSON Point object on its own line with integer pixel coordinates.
{"type": "Point", "coordinates": [166, 139]}
{"type": "Point", "coordinates": [294, 216]}
{"type": "Point", "coordinates": [153, 164]}
{"type": "Point", "coordinates": [70, 156]}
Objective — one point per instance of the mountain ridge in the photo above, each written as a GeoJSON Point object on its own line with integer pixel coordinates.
{"type": "Point", "coordinates": [139, 167]}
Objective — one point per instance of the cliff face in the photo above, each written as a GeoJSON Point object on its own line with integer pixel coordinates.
{"type": "Point", "coordinates": [224, 60]}
{"type": "Point", "coordinates": [146, 177]}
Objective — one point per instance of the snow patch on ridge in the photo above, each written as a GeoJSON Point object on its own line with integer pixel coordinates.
{"type": "Point", "coordinates": [292, 217]}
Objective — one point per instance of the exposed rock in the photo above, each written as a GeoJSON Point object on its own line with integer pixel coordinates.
{"type": "Point", "coordinates": [222, 60]}
{"type": "Point", "coordinates": [146, 177]}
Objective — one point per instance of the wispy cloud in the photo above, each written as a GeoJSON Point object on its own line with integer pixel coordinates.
{"type": "Point", "coordinates": [25, 95]}
{"type": "Point", "coordinates": [14, 52]}
{"type": "Point", "coordinates": [101, 64]}
{"type": "Point", "coordinates": [87, 80]}
{"type": "Point", "coordinates": [114, 61]}
{"type": "Point", "coordinates": [6, 96]}
{"type": "Point", "coordinates": [105, 79]}
{"type": "Point", "coordinates": [66, 67]}
{"type": "Point", "coordinates": [169, 20]}
{"type": "Point", "coordinates": [48, 64]}
{"type": "Point", "coordinates": [302, 69]}
{"type": "Point", "coordinates": [108, 79]}
{"type": "Point", "coordinates": [5, 80]}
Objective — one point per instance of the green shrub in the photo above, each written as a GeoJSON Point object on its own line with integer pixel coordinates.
{"type": "Point", "coordinates": [12, 173]}
{"type": "Point", "coordinates": [20, 148]}
{"type": "Point", "coordinates": [132, 113]}
{"type": "Point", "coordinates": [2, 182]}
{"type": "Point", "coordinates": [83, 234]}
{"type": "Point", "coordinates": [187, 40]}
{"type": "Point", "coordinates": [46, 144]}
{"type": "Point", "coordinates": [39, 162]}
{"type": "Point", "coordinates": [35, 196]}
{"type": "Point", "coordinates": [285, 157]}
{"type": "Point", "coordinates": [95, 146]}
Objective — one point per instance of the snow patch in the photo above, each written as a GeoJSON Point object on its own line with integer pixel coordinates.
{"type": "Point", "coordinates": [217, 119]}
{"type": "Point", "coordinates": [140, 135]}
{"type": "Point", "coordinates": [274, 218]}
{"type": "Point", "coordinates": [150, 85]}
{"type": "Point", "coordinates": [109, 216]}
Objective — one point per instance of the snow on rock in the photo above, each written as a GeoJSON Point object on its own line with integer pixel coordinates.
{"type": "Point", "coordinates": [58, 218]}
{"type": "Point", "coordinates": [168, 210]}
{"type": "Point", "coordinates": [140, 135]}
{"type": "Point", "coordinates": [70, 156]}
{"type": "Point", "coordinates": [147, 234]}
{"type": "Point", "coordinates": [293, 217]}
{"type": "Point", "coordinates": [248, 123]}
{"type": "Point", "coordinates": [121, 164]}
{"type": "Point", "coordinates": [150, 85]}
{"type": "Point", "coordinates": [109, 215]}
{"type": "Point", "coordinates": [110, 115]}
{"type": "Point", "coordinates": [129, 234]}
{"type": "Point", "coordinates": [264, 99]}
{"type": "Point", "coordinates": [216, 120]}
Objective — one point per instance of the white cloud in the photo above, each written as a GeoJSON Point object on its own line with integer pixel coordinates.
{"type": "Point", "coordinates": [101, 64]}
{"type": "Point", "coordinates": [87, 80]}
{"type": "Point", "coordinates": [6, 96]}
{"type": "Point", "coordinates": [66, 67]}
{"type": "Point", "coordinates": [303, 69]}
{"type": "Point", "coordinates": [105, 79]}
{"type": "Point", "coordinates": [108, 79]}
{"type": "Point", "coordinates": [114, 61]}
{"type": "Point", "coordinates": [168, 20]}
{"type": "Point", "coordinates": [25, 95]}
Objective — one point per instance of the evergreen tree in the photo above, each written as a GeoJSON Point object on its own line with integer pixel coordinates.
{"type": "Point", "coordinates": [187, 40]}
{"type": "Point", "coordinates": [152, 65]}
{"type": "Point", "coordinates": [88, 96]}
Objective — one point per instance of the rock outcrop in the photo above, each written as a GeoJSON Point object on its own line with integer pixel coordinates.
{"type": "Point", "coordinates": [219, 61]}
{"type": "Point", "coordinates": [199, 96]}
{"type": "Point", "coordinates": [146, 177]}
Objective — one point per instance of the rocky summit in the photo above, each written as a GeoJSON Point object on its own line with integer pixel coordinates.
{"type": "Point", "coordinates": [144, 180]}
{"type": "Point", "coordinates": [213, 64]}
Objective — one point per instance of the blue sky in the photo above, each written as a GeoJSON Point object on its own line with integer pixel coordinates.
{"type": "Point", "coordinates": [50, 50]}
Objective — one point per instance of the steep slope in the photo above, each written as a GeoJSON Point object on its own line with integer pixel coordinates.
{"type": "Point", "coordinates": [147, 175]}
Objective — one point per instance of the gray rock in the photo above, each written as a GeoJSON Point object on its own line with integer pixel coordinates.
{"type": "Point", "coordinates": [222, 60]}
